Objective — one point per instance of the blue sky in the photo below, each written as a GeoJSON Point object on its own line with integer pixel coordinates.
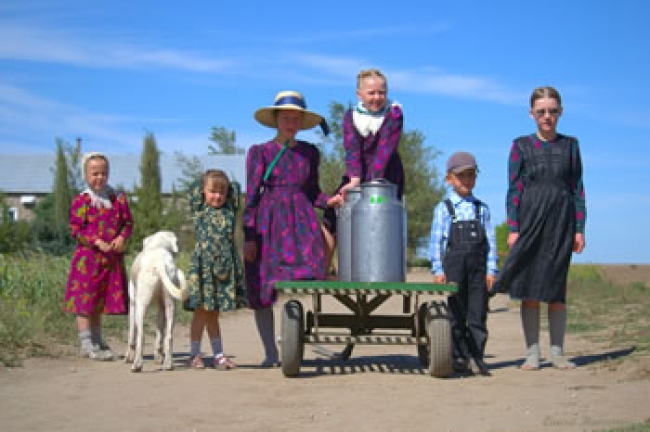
{"type": "Point", "coordinates": [111, 71]}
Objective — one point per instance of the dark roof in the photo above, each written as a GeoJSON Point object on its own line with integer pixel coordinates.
{"type": "Point", "coordinates": [34, 173]}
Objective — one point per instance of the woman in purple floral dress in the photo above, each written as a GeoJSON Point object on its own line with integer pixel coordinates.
{"type": "Point", "coordinates": [283, 240]}
{"type": "Point", "coordinates": [101, 223]}
{"type": "Point", "coordinates": [371, 134]}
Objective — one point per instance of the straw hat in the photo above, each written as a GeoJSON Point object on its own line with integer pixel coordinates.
{"type": "Point", "coordinates": [288, 100]}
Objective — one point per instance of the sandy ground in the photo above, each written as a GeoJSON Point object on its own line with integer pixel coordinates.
{"type": "Point", "coordinates": [381, 388]}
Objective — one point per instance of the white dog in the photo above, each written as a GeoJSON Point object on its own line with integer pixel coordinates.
{"type": "Point", "coordinates": [154, 275]}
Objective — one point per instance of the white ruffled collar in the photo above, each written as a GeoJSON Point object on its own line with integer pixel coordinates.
{"type": "Point", "coordinates": [368, 122]}
{"type": "Point", "coordinates": [101, 199]}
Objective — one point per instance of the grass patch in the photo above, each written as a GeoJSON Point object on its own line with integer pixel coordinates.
{"type": "Point", "coordinates": [32, 322]}
{"type": "Point", "coordinates": [639, 427]}
{"type": "Point", "coordinates": [604, 312]}
{"type": "Point", "coordinates": [31, 295]}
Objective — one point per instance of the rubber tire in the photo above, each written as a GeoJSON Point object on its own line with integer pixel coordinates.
{"type": "Point", "coordinates": [440, 341]}
{"type": "Point", "coordinates": [292, 346]}
{"type": "Point", "coordinates": [423, 324]}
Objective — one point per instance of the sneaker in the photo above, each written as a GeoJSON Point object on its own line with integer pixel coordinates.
{"type": "Point", "coordinates": [105, 350]}
{"type": "Point", "coordinates": [92, 352]}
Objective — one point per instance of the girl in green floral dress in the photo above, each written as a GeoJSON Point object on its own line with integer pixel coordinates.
{"type": "Point", "coordinates": [215, 277]}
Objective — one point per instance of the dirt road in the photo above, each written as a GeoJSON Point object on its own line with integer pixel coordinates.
{"type": "Point", "coordinates": [381, 388]}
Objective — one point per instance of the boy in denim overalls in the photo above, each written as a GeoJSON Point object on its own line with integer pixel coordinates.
{"type": "Point", "coordinates": [463, 251]}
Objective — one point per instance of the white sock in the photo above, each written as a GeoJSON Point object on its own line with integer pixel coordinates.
{"type": "Point", "coordinates": [86, 339]}
{"type": "Point", "coordinates": [196, 348]}
{"type": "Point", "coordinates": [217, 347]}
{"type": "Point", "coordinates": [556, 329]}
{"type": "Point", "coordinates": [530, 324]}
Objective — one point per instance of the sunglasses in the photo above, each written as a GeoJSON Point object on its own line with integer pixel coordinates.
{"type": "Point", "coordinates": [542, 112]}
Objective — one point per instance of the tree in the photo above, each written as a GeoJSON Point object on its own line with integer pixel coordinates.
{"type": "Point", "coordinates": [50, 226]}
{"type": "Point", "coordinates": [423, 186]}
{"type": "Point", "coordinates": [501, 233]}
{"type": "Point", "coordinates": [14, 235]}
{"type": "Point", "coordinates": [225, 141]}
{"type": "Point", "coordinates": [75, 175]}
{"type": "Point", "coordinates": [191, 168]}
{"type": "Point", "coordinates": [63, 192]}
{"type": "Point", "coordinates": [147, 206]}
{"type": "Point", "coordinates": [332, 165]}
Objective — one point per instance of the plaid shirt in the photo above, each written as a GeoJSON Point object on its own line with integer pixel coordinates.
{"type": "Point", "coordinates": [441, 225]}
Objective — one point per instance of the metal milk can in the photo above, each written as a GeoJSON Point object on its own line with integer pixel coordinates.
{"type": "Point", "coordinates": [344, 234]}
{"type": "Point", "coordinates": [378, 240]}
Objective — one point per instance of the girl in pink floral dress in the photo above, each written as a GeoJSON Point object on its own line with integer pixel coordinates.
{"type": "Point", "coordinates": [101, 223]}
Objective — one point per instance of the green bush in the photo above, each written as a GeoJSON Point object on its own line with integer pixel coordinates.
{"type": "Point", "coordinates": [31, 295]}
{"type": "Point", "coordinates": [419, 262]}
{"type": "Point", "coordinates": [14, 236]}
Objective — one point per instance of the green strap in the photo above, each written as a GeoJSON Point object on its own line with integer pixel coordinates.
{"type": "Point", "coordinates": [275, 161]}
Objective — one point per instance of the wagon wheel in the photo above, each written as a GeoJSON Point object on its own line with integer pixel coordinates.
{"type": "Point", "coordinates": [423, 324]}
{"type": "Point", "coordinates": [292, 346]}
{"type": "Point", "coordinates": [440, 347]}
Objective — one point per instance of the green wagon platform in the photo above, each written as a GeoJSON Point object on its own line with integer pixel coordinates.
{"type": "Point", "coordinates": [425, 324]}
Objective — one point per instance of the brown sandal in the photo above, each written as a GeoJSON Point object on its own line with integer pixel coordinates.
{"type": "Point", "coordinates": [197, 363]}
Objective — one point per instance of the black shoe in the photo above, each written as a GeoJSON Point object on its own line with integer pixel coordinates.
{"type": "Point", "coordinates": [478, 367]}
{"type": "Point", "coordinates": [461, 365]}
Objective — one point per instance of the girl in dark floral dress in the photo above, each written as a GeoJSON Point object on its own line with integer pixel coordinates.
{"type": "Point", "coordinates": [546, 219]}
{"type": "Point", "coordinates": [215, 278]}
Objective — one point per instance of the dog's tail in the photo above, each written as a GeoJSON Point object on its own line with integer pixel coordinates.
{"type": "Point", "coordinates": [180, 292]}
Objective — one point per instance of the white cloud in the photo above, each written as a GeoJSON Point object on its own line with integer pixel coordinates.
{"type": "Point", "coordinates": [31, 43]}
{"type": "Point", "coordinates": [428, 80]}
{"type": "Point", "coordinates": [28, 118]}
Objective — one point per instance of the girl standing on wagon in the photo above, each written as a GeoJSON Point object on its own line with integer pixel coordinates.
{"type": "Point", "coordinates": [101, 223]}
{"type": "Point", "coordinates": [371, 134]}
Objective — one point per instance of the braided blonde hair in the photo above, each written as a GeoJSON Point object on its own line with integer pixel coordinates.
{"type": "Point", "coordinates": [366, 73]}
